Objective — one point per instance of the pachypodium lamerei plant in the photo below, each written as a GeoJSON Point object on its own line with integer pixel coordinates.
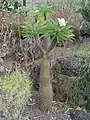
{"type": "Point", "coordinates": [44, 26]}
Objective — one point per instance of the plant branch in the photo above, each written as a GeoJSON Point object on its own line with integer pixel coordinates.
{"type": "Point", "coordinates": [52, 45]}
{"type": "Point", "coordinates": [37, 39]}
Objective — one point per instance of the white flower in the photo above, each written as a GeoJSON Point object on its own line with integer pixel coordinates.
{"type": "Point", "coordinates": [61, 22]}
{"type": "Point", "coordinates": [36, 11]}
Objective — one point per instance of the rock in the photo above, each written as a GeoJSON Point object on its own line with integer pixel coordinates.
{"type": "Point", "coordinates": [84, 32]}
{"type": "Point", "coordinates": [67, 65]}
{"type": "Point", "coordinates": [84, 29]}
{"type": "Point", "coordinates": [79, 115]}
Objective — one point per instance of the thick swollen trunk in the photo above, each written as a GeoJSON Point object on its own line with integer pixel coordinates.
{"type": "Point", "coordinates": [46, 94]}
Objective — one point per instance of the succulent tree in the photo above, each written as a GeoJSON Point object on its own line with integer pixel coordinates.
{"type": "Point", "coordinates": [43, 26]}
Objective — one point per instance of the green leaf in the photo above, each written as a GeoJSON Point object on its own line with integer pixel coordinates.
{"type": "Point", "coordinates": [45, 8]}
{"type": "Point", "coordinates": [48, 28]}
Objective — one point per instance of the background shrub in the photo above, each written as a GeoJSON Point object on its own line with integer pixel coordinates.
{"type": "Point", "coordinates": [85, 12]}
{"type": "Point", "coordinates": [14, 93]}
{"type": "Point", "coordinates": [79, 93]}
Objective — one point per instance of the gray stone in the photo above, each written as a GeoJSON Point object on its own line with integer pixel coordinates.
{"type": "Point", "coordinates": [79, 115]}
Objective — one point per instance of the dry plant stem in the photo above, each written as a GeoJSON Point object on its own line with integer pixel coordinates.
{"type": "Point", "coordinates": [38, 44]}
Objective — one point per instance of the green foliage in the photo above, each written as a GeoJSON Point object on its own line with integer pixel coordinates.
{"type": "Point", "coordinates": [9, 5]}
{"type": "Point", "coordinates": [23, 10]}
{"type": "Point", "coordinates": [85, 9]}
{"type": "Point", "coordinates": [79, 93]}
{"type": "Point", "coordinates": [13, 6]}
{"type": "Point", "coordinates": [14, 90]}
{"type": "Point", "coordinates": [48, 27]}
{"type": "Point", "coordinates": [83, 51]}
{"type": "Point", "coordinates": [32, 29]}
{"type": "Point", "coordinates": [45, 9]}
{"type": "Point", "coordinates": [52, 28]}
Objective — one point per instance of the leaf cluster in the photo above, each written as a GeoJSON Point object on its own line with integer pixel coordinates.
{"type": "Point", "coordinates": [52, 28]}
{"type": "Point", "coordinates": [48, 27]}
{"type": "Point", "coordinates": [45, 9]}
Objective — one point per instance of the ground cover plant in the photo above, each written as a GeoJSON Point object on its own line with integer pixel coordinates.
{"type": "Point", "coordinates": [14, 94]}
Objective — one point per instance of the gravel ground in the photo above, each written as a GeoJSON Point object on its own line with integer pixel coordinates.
{"type": "Point", "coordinates": [35, 114]}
